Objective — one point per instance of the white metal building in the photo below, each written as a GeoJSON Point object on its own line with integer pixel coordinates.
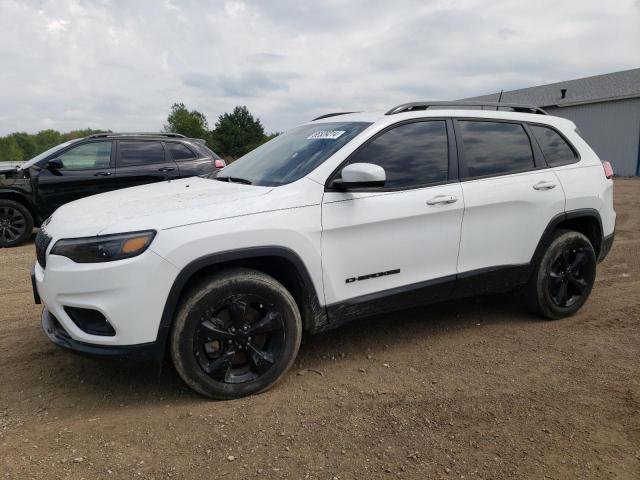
{"type": "Point", "coordinates": [606, 109]}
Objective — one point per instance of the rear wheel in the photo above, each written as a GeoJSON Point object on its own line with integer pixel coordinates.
{"type": "Point", "coordinates": [564, 277]}
{"type": "Point", "coordinates": [16, 223]}
{"type": "Point", "coordinates": [235, 334]}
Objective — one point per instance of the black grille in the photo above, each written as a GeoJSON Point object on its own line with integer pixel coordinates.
{"type": "Point", "coordinates": [42, 243]}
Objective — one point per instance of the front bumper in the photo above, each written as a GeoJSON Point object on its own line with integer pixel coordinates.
{"type": "Point", "coordinates": [129, 294]}
{"type": "Point", "coordinates": [148, 352]}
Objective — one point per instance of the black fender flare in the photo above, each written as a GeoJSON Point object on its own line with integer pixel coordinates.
{"type": "Point", "coordinates": [21, 197]}
{"type": "Point", "coordinates": [557, 220]}
{"type": "Point", "coordinates": [317, 323]}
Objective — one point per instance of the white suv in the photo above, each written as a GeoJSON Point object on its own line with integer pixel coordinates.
{"type": "Point", "coordinates": [345, 216]}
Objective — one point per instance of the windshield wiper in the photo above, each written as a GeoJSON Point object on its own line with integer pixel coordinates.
{"type": "Point", "coordinates": [226, 178]}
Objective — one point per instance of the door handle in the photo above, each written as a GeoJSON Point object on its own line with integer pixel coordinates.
{"type": "Point", "coordinates": [166, 169]}
{"type": "Point", "coordinates": [544, 185]}
{"type": "Point", "coordinates": [442, 200]}
{"type": "Point", "coordinates": [102, 174]}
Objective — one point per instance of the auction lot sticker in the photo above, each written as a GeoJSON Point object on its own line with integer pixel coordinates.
{"type": "Point", "coordinates": [325, 135]}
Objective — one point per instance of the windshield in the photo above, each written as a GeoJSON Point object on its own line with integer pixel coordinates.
{"type": "Point", "coordinates": [292, 155]}
{"type": "Point", "coordinates": [45, 154]}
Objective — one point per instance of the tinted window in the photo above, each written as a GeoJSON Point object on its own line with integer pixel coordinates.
{"type": "Point", "coordinates": [292, 155]}
{"type": "Point", "coordinates": [140, 153]}
{"type": "Point", "coordinates": [492, 148]}
{"type": "Point", "coordinates": [556, 151]}
{"type": "Point", "coordinates": [206, 149]}
{"type": "Point", "coordinates": [412, 154]}
{"type": "Point", "coordinates": [89, 156]}
{"type": "Point", "coordinates": [179, 151]}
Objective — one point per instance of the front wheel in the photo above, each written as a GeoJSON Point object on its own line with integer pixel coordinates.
{"type": "Point", "coordinates": [235, 334]}
{"type": "Point", "coordinates": [16, 223]}
{"type": "Point", "coordinates": [564, 277]}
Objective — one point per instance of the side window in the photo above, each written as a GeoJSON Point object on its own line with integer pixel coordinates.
{"type": "Point", "coordinates": [412, 154]}
{"type": "Point", "coordinates": [556, 151]}
{"type": "Point", "coordinates": [179, 151]}
{"type": "Point", "coordinates": [495, 148]}
{"type": "Point", "coordinates": [140, 153]}
{"type": "Point", "coordinates": [89, 156]}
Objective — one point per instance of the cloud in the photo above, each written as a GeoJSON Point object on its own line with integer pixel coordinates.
{"type": "Point", "coordinates": [55, 26]}
{"type": "Point", "coordinates": [119, 64]}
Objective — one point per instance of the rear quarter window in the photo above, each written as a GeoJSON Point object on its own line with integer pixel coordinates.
{"type": "Point", "coordinates": [180, 152]}
{"type": "Point", "coordinates": [555, 149]}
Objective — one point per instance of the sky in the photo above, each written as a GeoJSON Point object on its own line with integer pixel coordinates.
{"type": "Point", "coordinates": [120, 64]}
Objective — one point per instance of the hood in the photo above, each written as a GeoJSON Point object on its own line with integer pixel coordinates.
{"type": "Point", "coordinates": [8, 171]}
{"type": "Point", "coordinates": [156, 206]}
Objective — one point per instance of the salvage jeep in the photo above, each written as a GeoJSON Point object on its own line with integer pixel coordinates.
{"type": "Point", "coordinates": [95, 164]}
{"type": "Point", "coordinates": [343, 217]}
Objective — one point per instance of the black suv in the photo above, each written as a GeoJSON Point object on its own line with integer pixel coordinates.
{"type": "Point", "coordinates": [99, 163]}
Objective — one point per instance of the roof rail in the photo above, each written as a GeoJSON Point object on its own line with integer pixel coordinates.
{"type": "Point", "coordinates": [137, 134]}
{"type": "Point", "coordinates": [331, 115]}
{"type": "Point", "coordinates": [516, 107]}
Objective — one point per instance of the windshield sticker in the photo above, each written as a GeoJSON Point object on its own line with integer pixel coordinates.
{"type": "Point", "coordinates": [326, 135]}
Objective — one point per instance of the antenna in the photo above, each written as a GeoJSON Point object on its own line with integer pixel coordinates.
{"type": "Point", "coordinates": [499, 99]}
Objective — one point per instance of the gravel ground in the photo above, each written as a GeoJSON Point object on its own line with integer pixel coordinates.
{"type": "Point", "coordinates": [469, 389]}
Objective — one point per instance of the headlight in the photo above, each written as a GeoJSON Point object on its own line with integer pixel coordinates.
{"type": "Point", "coordinates": [104, 248]}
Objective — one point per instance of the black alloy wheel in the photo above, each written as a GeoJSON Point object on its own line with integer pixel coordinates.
{"type": "Point", "coordinates": [238, 340]}
{"type": "Point", "coordinates": [12, 224]}
{"type": "Point", "coordinates": [563, 278]}
{"type": "Point", "coordinates": [16, 223]}
{"type": "Point", "coordinates": [235, 333]}
{"type": "Point", "coordinates": [569, 276]}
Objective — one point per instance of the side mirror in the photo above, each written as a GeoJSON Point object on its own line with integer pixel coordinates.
{"type": "Point", "coordinates": [358, 175]}
{"type": "Point", "coordinates": [55, 164]}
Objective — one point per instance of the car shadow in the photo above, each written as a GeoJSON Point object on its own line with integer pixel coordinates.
{"type": "Point", "coordinates": [125, 383]}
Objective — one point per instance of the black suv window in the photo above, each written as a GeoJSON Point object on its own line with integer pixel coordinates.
{"type": "Point", "coordinates": [140, 153]}
{"type": "Point", "coordinates": [495, 148]}
{"type": "Point", "coordinates": [179, 151]}
{"type": "Point", "coordinates": [556, 151]}
{"type": "Point", "coordinates": [88, 156]}
{"type": "Point", "coordinates": [412, 154]}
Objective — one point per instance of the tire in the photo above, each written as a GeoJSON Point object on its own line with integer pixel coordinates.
{"type": "Point", "coordinates": [564, 277]}
{"type": "Point", "coordinates": [16, 223]}
{"type": "Point", "coordinates": [235, 334]}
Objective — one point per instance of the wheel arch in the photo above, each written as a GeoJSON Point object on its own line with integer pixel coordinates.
{"type": "Point", "coordinates": [281, 263]}
{"type": "Point", "coordinates": [22, 199]}
{"type": "Point", "coordinates": [586, 221]}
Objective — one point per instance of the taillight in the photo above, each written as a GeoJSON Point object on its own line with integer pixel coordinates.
{"type": "Point", "coordinates": [219, 163]}
{"type": "Point", "coordinates": [608, 169]}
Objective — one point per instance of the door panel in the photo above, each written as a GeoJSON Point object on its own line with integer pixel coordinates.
{"type": "Point", "coordinates": [140, 162]}
{"type": "Point", "coordinates": [509, 207]}
{"type": "Point", "coordinates": [505, 217]}
{"type": "Point", "coordinates": [373, 234]}
{"type": "Point", "coordinates": [87, 170]}
{"type": "Point", "coordinates": [388, 242]}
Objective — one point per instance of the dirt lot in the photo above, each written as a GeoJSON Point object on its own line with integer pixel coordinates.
{"type": "Point", "coordinates": [473, 389]}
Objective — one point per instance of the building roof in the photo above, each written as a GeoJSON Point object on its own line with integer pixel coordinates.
{"type": "Point", "coordinates": [599, 88]}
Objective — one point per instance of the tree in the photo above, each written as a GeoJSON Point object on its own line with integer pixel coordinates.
{"type": "Point", "coordinates": [26, 143]}
{"type": "Point", "coordinates": [45, 139]}
{"type": "Point", "coordinates": [189, 123]}
{"type": "Point", "coordinates": [73, 134]}
{"type": "Point", "coordinates": [10, 150]}
{"type": "Point", "coordinates": [237, 133]}
{"type": "Point", "coordinates": [23, 146]}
